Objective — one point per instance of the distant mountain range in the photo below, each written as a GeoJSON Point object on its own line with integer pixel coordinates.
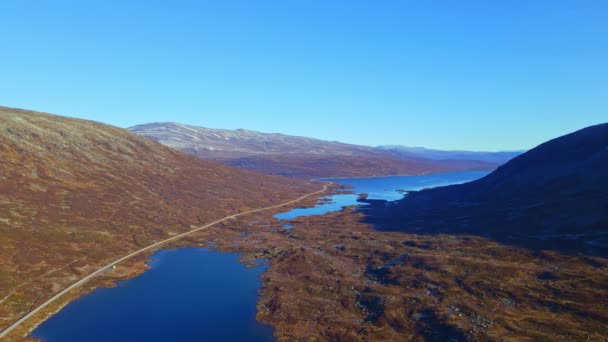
{"type": "Point", "coordinates": [554, 196]}
{"type": "Point", "coordinates": [294, 156]}
{"type": "Point", "coordinates": [421, 152]}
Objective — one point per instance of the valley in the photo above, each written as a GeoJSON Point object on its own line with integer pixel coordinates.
{"type": "Point", "coordinates": [304, 171]}
{"type": "Point", "coordinates": [335, 271]}
{"type": "Point", "coordinates": [333, 277]}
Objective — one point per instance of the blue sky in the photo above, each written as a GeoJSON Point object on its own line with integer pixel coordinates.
{"type": "Point", "coordinates": [482, 75]}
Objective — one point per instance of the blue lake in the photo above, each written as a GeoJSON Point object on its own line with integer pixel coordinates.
{"type": "Point", "coordinates": [189, 294]}
{"type": "Point", "coordinates": [382, 188]}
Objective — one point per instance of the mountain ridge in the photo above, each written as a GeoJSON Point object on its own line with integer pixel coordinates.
{"type": "Point", "coordinates": [296, 156]}
{"type": "Point", "coordinates": [252, 140]}
{"type": "Point", "coordinates": [437, 154]}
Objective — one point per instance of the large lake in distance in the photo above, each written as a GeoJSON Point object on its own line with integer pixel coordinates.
{"type": "Point", "coordinates": [189, 294]}
{"type": "Point", "coordinates": [380, 188]}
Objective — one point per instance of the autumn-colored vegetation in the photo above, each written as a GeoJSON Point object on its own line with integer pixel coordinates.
{"type": "Point", "coordinates": [334, 278]}
{"type": "Point", "coordinates": [76, 194]}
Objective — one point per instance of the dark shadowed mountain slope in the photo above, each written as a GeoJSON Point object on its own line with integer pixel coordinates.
{"type": "Point", "coordinates": [75, 194]}
{"type": "Point", "coordinates": [293, 156]}
{"type": "Point", "coordinates": [555, 196]}
{"type": "Point", "coordinates": [421, 152]}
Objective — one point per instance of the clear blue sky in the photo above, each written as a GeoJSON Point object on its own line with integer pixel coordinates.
{"type": "Point", "coordinates": [483, 75]}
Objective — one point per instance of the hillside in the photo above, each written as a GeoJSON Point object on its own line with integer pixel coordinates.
{"type": "Point", "coordinates": [75, 194]}
{"type": "Point", "coordinates": [421, 152]}
{"type": "Point", "coordinates": [279, 154]}
{"type": "Point", "coordinates": [554, 196]}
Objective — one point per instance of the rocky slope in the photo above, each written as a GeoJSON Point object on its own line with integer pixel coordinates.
{"type": "Point", "coordinates": [75, 194]}
{"type": "Point", "coordinates": [280, 154]}
{"type": "Point", "coordinates": [554, 196]}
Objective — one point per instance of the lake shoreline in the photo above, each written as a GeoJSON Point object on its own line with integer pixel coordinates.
{"type": "Point", "coordinates": [177, 268]}
{"type": "Point", "coordinates": [136, 265]}
{"type": "Point", "coordinates": [401, 175]}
